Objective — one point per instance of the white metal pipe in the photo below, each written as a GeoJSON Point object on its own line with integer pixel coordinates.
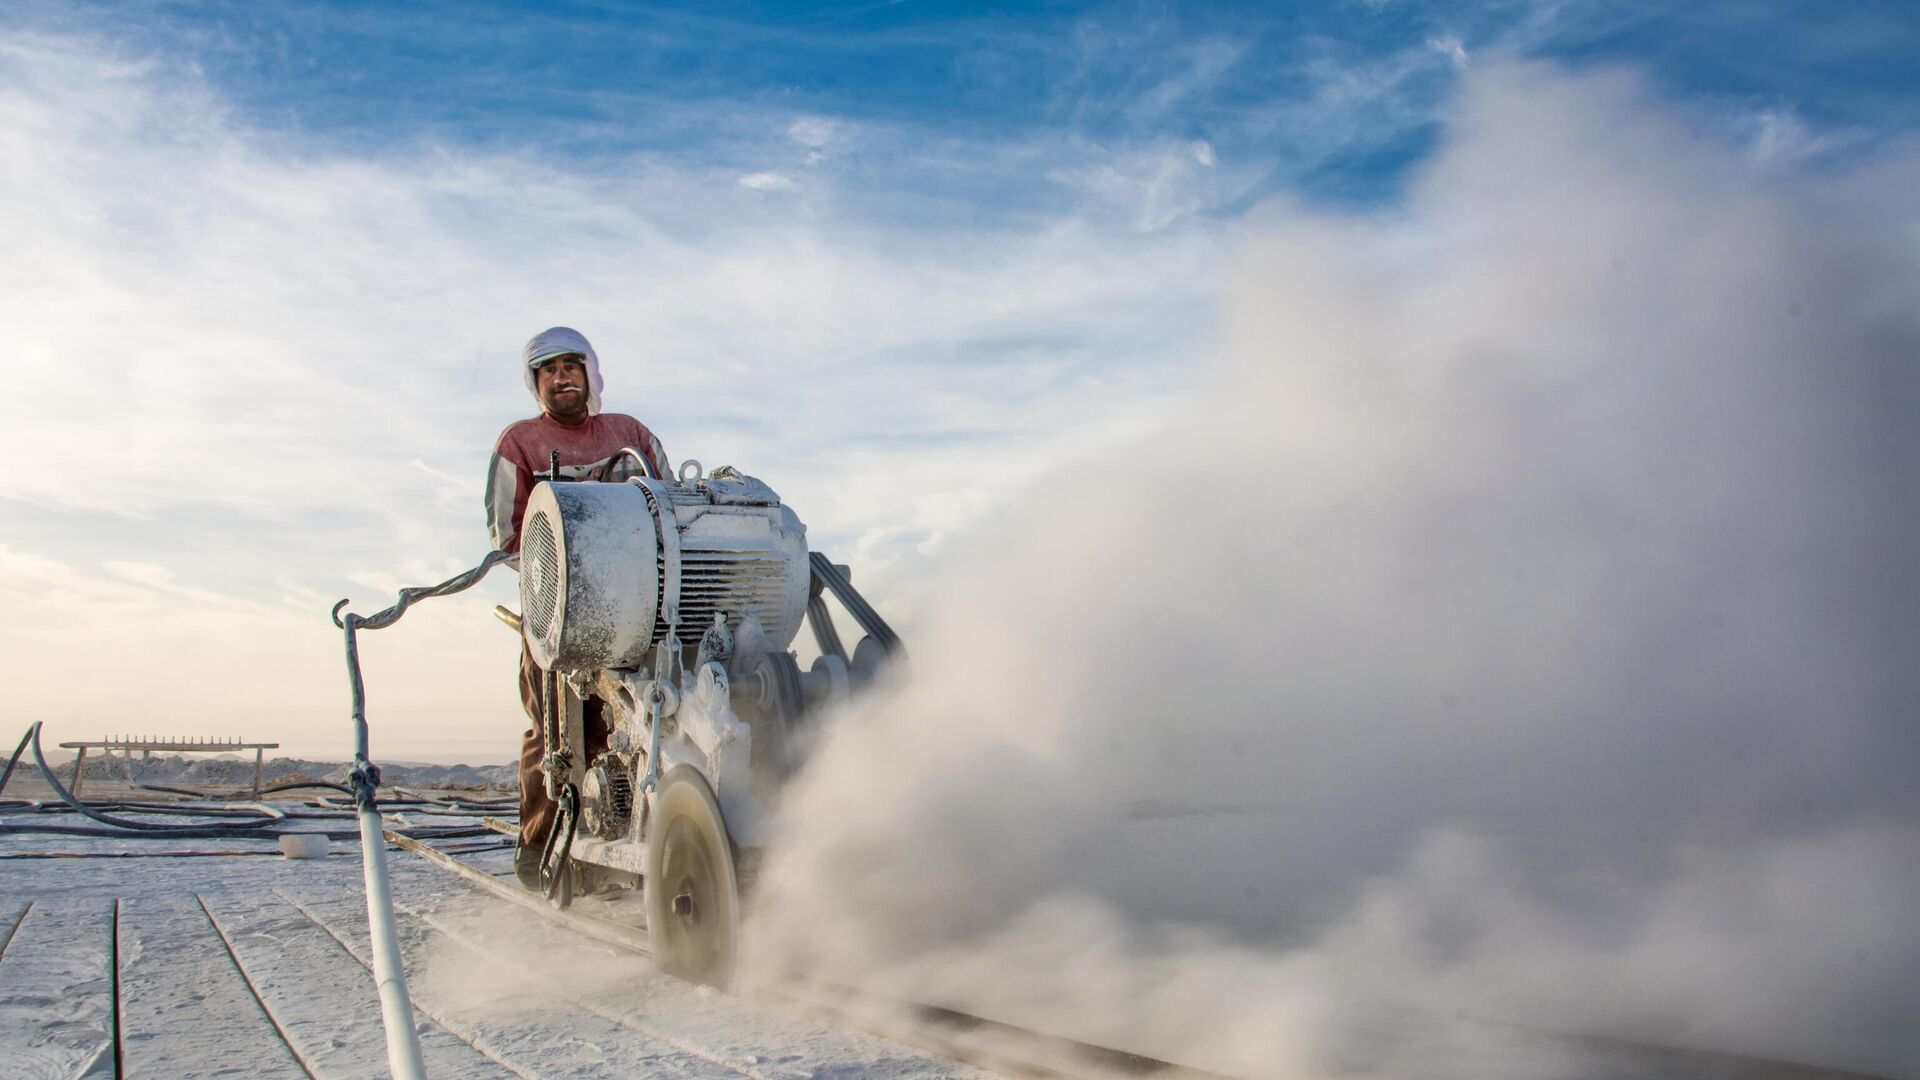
{"type": "Point", "coordinates": [396, 1007]}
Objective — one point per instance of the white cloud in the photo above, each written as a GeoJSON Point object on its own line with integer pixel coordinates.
{"type": "Point", "coordinates": [1154, 185]}
{"type": "Point", "coordinates": [768, 181]}
{"type": "Point", "coordinates": [261, 369]}
{"type": "Point", "coordinates": [813, 131]}
{"type": "Point", "coordinates": [1201, 67]}
{"type": "Point", "coordinates": [1778, 138]}
{"type": "Point", "coordinates": [1451, 47]}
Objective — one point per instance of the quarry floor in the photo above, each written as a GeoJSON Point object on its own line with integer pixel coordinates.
{"type": "Point", "coordinates": [130, 958]}
{"type": "Point", "coordinates": [246, 964]}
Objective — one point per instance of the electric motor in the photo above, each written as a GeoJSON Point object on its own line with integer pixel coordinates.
{"type": "Point", "coordinates": [608, 570]}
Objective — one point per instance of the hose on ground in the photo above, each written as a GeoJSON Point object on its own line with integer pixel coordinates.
{"type": "Point", "coordinates": [15, 759]}
{"type": "Point", "coordinates": [191, 833]}
{"type": "Point", "coordinates": [218, 810]}
{"type": "Point", "coordinates": [270, 789]}
{"type": "Point", "coordinates": [267, 817]}
{"type": "Point", "coordinates": [301, 785]}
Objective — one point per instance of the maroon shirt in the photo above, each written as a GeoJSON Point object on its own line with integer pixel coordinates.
{"type": "Point", "coordinates": [590, 451]}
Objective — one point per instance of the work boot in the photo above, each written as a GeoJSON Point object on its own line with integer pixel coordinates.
{"type": "Point", "coordinates": [526, 866]}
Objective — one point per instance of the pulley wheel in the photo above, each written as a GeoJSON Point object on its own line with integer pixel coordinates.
{"type": "Point", "coordinates": [693, 895]}
{"type": "Point", "coordinates": [782, 693]}
{"type": "Point", "coordinates": [774, 713]}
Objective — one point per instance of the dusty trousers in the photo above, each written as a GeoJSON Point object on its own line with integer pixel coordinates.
{"type": "Point", "coordinates": [537, 811]}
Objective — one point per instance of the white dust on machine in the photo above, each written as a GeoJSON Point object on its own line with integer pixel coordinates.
{"type": "Point", "coordinates": [619, 582]}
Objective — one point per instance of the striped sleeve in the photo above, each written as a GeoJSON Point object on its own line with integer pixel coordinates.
{"type": "Point", "coordinates": [503, 490]}
{"type": "Point", "coordinates": [658, 453]}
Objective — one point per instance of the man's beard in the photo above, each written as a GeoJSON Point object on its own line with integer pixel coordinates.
{"type": "Point", "coordinates": [565, 406]}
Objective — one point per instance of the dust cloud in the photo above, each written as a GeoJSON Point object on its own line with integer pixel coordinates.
{"type": "Point", "coordinates": [1516, 631]}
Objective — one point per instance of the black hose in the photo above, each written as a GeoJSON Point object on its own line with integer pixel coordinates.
{"type": "Point", "coordinates": [409, 793]}
{"type": "Point", "coordinates": [46, 771]}
{"type": "Point", "coordinates": [246, 793]}
{"type": "Point", "coordinates": [173, 790]}
{"type": "Point", "coordinates": [183, 832]}
{"type": "Point", "coordinates": [453, 801]}
{"type": "Point", "coordinates": [125, 806]}
{"type": "Point", "coordinates": [299, 785]}
{"type": "Point", "coordinates": [15, 759]}
{"type": "Point", "coordinates": [309, 810]}
{"type": "Point", "coordinates": [449, 811]}
{"type": "Point", "coordinates": [132, 854]}
{"type": "Point", "coordinates": [34, 807]}
{"type": "Point", "coordinates": [190, 833]}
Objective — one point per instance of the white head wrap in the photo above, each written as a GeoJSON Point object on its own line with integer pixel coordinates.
{"type": "Point", "coordinates": [559, 341]}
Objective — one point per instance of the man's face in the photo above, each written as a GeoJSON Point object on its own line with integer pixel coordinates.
{"type": "Point", "coordinates": [562, 386]}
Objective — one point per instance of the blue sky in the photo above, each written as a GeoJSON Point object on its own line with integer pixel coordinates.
{"type": "Point", "coordinates": [1336, 100]}
{"type": "Point", "coordinates": [272, 263]}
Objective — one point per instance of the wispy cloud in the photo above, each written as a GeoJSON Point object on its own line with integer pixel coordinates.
{"type": "Point", "coordinates": [768, 181]}
{"type": "Point", "coordinates": [812, 131]}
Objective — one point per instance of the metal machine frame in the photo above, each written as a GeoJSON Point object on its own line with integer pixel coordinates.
{"type": "Point", "coordinates": [698, 744]}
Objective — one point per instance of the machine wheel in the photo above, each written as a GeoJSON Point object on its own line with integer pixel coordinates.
{"type": "Point", "coordinates": [693, 895]}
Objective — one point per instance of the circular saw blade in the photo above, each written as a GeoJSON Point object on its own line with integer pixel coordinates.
{"type": "Point", "coordinates": [692, 889]}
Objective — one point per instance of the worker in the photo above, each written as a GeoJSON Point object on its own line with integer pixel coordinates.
{"type": "Point", "coordinates": [563, 375]}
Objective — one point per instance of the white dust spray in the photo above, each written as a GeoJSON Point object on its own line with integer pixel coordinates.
{"type": "Point", "coordinates": [1519, 628]}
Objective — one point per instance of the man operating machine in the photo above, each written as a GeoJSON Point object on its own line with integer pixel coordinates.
{"type": "Point", "coordinates": [657, 608]}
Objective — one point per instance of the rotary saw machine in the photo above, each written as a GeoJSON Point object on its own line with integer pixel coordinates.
{"type": "Point", "coordinates": [662, 610]}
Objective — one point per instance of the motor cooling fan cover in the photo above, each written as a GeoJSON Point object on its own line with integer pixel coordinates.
{"type": "Point", "coordinates": [589, 575]}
